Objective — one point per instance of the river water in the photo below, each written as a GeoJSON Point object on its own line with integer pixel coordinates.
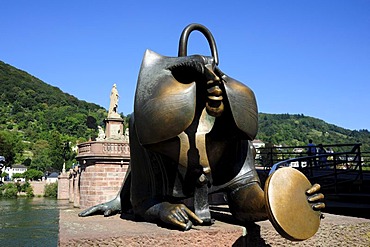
{"type": "Point", "coordinates": [30, 221]}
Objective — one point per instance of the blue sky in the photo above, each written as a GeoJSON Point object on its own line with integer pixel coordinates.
{"type": "Point", "coordinates": [299, 57]}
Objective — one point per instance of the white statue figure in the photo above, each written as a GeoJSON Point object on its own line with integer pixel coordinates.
{"type": "Point", "coordinates": [114, 96]}
{"type": "Point", "coordinates": [126, 137]}
{"type": "Point", "coordinates": [101, 135]}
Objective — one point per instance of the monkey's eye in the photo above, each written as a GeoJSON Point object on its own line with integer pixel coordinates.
{"type": "Point", "coordinates": [188, 72]}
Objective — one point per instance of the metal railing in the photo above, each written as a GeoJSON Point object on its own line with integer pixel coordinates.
{"type": "Point", "coordinates": [333, 170]}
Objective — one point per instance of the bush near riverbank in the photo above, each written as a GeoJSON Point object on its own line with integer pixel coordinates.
{"type": "Point", "coordinates": [12, 190]}
{"type": "Point", "coordinates": [28, 189]}
{"type": "Point", "coordinates": [51, 190]}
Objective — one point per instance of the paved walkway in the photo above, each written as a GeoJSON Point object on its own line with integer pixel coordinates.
{"type": "Point", "coordinates": [97, 230]}
{"type": "Point", "coordinates": [335, 230]}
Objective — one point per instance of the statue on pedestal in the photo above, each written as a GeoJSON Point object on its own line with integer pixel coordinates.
{"type": "Point", "coordinates": [113, 105]}
{"type": "Point", "coordinates": [114, 121]}
{"type": "Point", "coordinates": [126, 136]}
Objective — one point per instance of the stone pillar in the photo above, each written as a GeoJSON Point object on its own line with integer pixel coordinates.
{"type": "Point", "coordinates": [63, 186]}
{"type": "Point", "coordinates": [76, 188]}
{"type": "Point", "coordinates": [71, 186]}
{"type": "Point", "coordinates": [101, 182]}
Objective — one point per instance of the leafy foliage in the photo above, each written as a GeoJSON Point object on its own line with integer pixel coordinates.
{"type": "Point", "coordinates": [11, 190]}
{"type": "Point", "coordinates": [17, 175]}
{"type": "Point", "coordinates": [8, 190]}
{"type": "Point", "coordinates": [37, 121]}
{"type": "Point", "coordinates": [11, 146]}
{"type": "Point", "coordinates": [51, 190]}
{"type": "Point", "coordinates": [32, 174]}
{"type": "Point", "coordinates": [27, 188]}
{"type": "Point", "coordinates": [29, 191]}
{"type": "Point", "coordinates": [297, 129]}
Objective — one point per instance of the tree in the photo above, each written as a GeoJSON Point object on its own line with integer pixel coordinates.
{"type": "Point", "coordinates": [41, 152]}
{"type": "Point", "coordinates": [91, 122]}
{"type": "Point", "coordinates": [19, 187]}
{"type": "Point", "coordinates": [27, 188]}
{"type": "Point", "coordinates": [27, 162]}
{"type": "Point", "coordinates": [4, 175]}
{"type": "Point", "coordinates": [56, 150]}
{"type": "Point", "coordinates": [51, 190]}
{"type": "Point", "coordinates": [10, 146]}
{"type": "Point", "coordinates": [32, 174]}
{"type": "Point", "coordinates": [8, 190]}
{"type": "Point", "coordinates": [18, 175]}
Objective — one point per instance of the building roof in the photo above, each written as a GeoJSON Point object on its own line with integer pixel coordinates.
{"type": "Point", "coordinates": [19, 166]}
{"type": "Point", "coordinates": [53, 175]}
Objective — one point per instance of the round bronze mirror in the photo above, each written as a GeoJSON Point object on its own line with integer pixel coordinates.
{"type": "Point", "coordinates": [287, 205]}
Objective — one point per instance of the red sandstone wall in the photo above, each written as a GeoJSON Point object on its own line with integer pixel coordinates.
{"type": "Point", "coordinates": [100, 183]}
{"type": "Point", "coordinates": [38, 187]}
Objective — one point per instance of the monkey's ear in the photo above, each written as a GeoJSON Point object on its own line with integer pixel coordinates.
{"type": "Point", "coordinates": [159, 98]}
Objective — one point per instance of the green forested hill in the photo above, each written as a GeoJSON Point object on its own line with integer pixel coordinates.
{"type": "Point", "coordinates": [39, 119]}
{"type": "Point", "coordinates": [297, 129]}
{"type": "Point", "coordinates": [36, 120]}
{"type": "Point", "coordinates": [32, 105]}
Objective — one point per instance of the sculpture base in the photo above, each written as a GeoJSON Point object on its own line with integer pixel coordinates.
{"type": "Point", "coordinates": [335, 230]}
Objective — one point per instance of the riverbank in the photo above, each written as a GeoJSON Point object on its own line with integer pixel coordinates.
{"type": "Point", "coordinates": [38, 187]}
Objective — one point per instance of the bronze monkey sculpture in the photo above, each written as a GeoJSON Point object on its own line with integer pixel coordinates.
{"type": "Point", "coordinates": [190, 135]}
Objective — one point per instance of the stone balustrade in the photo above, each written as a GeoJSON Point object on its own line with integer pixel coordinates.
{"type": "Point", "coordinates": [104, 148]}
{"type": "Point", "coordinates": [102, 168]}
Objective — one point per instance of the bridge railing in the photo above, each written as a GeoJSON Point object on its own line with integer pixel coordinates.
{"type": "Point", "coordinates": [331, 169]}
{"type": "Point", "coordinates": [104, 148]}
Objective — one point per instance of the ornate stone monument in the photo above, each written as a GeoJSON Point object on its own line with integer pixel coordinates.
{"type": "Point", "coordinates": [103, 162]}
{"type": "Point", "coordinates": [114, 122]}
{"type": "Point", "coordinates": [113, 105]}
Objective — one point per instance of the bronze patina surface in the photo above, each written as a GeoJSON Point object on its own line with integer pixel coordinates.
{"type": "Point", "coordinates": [287, 204]}
{"type": "Point", "coordinates": [190, 136]}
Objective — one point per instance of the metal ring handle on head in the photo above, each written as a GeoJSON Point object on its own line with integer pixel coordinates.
{"type": "Point", "coordinates": [183, 45]}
